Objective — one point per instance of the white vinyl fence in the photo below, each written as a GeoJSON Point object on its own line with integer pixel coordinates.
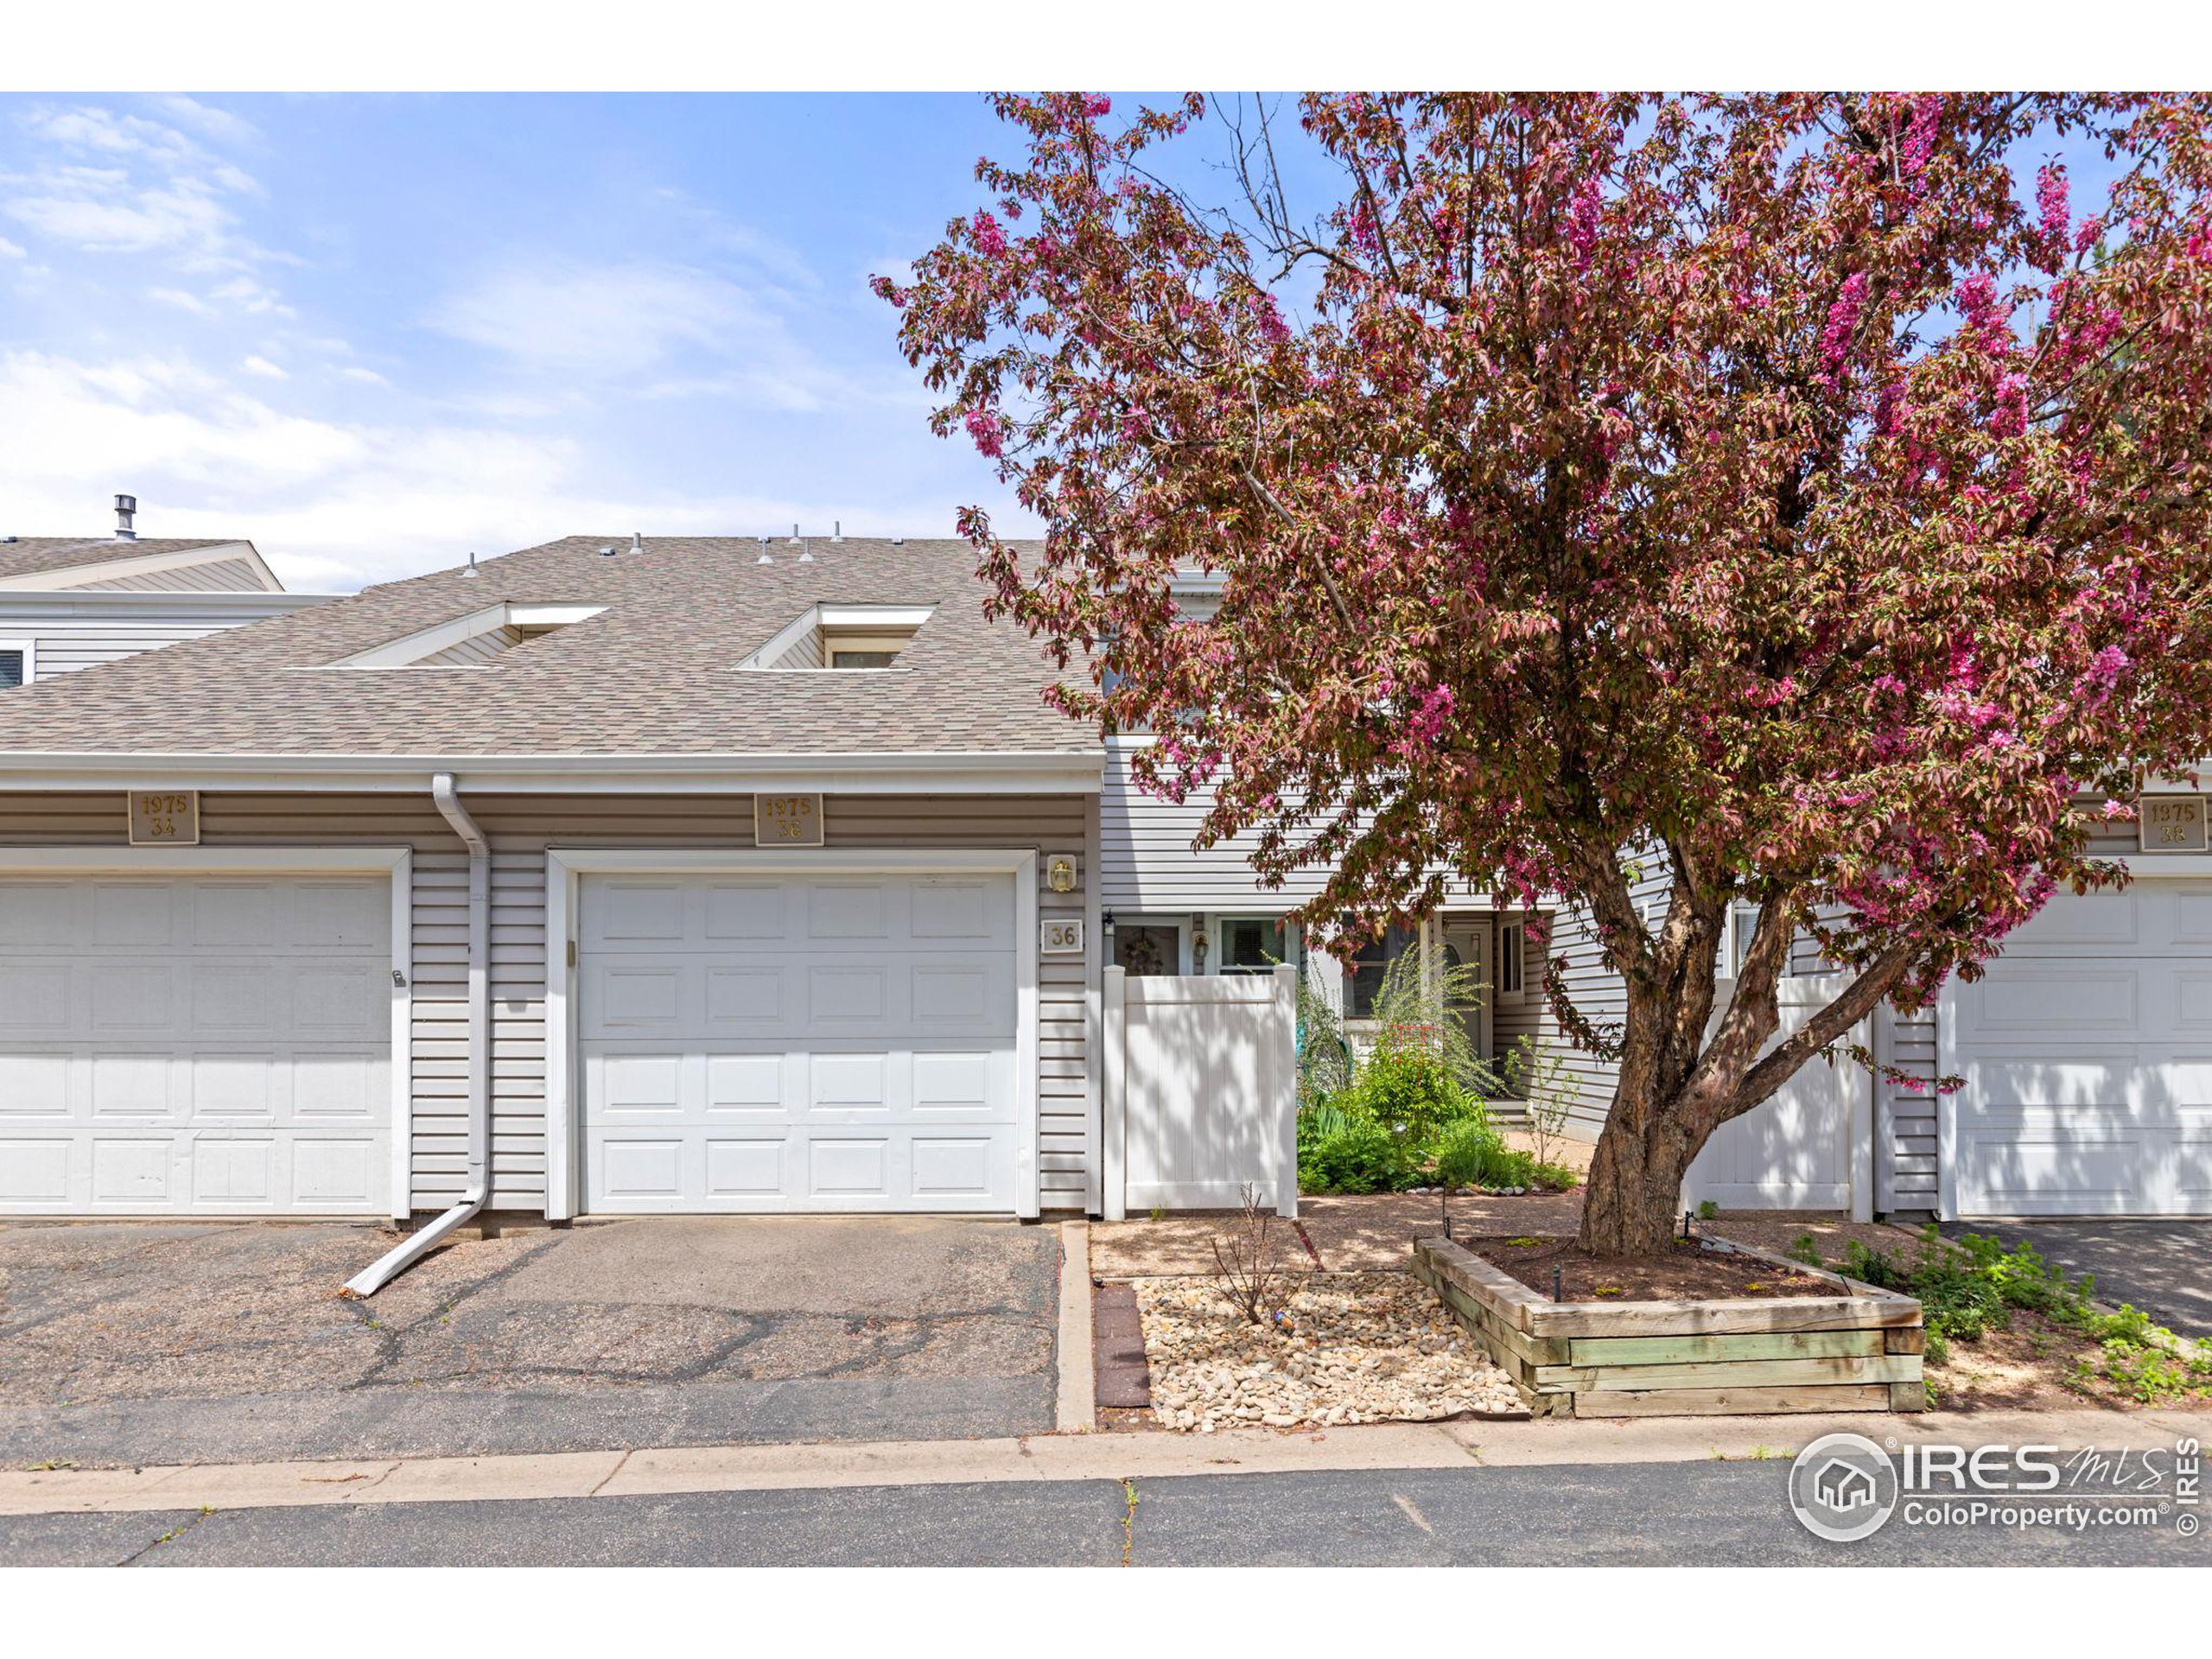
{"type": "Point", "coordinates": [1201, 1078]}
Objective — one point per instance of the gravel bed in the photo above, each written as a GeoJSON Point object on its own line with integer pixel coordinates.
{"type": "Point", "coordinates": [1346, 1348]}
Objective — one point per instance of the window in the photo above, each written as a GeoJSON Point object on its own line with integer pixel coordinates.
{"type": "Point", "coordinates": [1512, 942]}
{"type": "Point", "coordinates": [862, 658]}
{"type": "Point", "coordinates": [1148, 949]}
{"type": "Point", "coordinates": [1742, 920]}
{"type": "Point", "coordinates": [15, 666]}
{"type": "Point", "coordinates": [1252, 944]}
{"type": "Point", "coordinates": [1372, 962]}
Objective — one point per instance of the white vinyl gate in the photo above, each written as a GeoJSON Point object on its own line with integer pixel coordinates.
{"type": "Point", "coordinates": [1808, 1147]}
{"type": "Point", "coordinates": [1201, 1090]}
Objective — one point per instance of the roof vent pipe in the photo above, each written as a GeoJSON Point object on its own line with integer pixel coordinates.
{"type": "Point", "coordinates": [836, 529]}
{"type": "Point", "coordinates": [794, 535]}
{"type": "Point", "coordinates": [126, 508]}
{"type": "Point", "coordinates": [477, 1185]}
{"type": "Point", "coordinates": [472, 569]}
{"type": "Point", "coordinates": [637, 541]}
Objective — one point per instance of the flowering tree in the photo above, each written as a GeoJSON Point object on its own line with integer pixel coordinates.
{"type": "Point", "coordinates": [1800, 495]}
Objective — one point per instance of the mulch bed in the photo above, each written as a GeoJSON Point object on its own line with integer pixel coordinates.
{"type": "Point", "coordinates": [1118, 1349]}
{"type": "Point", "coordinates": [1691, 1274]}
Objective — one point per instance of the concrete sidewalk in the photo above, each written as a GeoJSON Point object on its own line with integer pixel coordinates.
{"type": "Point", "coordinates": [677, 1470]}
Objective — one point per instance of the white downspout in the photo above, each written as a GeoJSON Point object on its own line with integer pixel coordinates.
{"type": "Point", "coordinates": [373, 1279]}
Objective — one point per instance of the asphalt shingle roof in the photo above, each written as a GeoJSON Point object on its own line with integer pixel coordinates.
{"type": "Point", "coordinates": [30, 556]}
{"type": "Point", "coordinates": [655, 673]}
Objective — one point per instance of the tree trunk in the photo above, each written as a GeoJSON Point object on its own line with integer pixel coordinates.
{"type": "Point", "coordinates": [1631, 1204]}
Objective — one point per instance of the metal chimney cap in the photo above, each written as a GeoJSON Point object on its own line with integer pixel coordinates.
{"type": "Point", "coordinates": [126, 507]}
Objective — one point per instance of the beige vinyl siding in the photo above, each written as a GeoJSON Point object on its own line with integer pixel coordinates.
{"type": "Point", "coordinates": [1905, 1168]}
{"type": "Point", "coordinates": [520, 828]}
{"type": "Point", "coordinates": [805, 651]}
{"type": "Point", "coordinates": [476, 650]}
{"type": "Point", "coordinates": [68, 638]}
{"type": "Point", "coordinates": [1146, 860]}
{"type": "Point", "coordinates": [217, 577]}
{"type": "Point", "coordinates": [1597, 995]}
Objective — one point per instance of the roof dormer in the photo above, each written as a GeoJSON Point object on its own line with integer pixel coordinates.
{"type": "Point", "coordinates": [847, 637]}
{"type": "Point", "coordinates": [471, 641]}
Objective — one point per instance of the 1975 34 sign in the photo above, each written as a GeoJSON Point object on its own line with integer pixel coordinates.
{"type": "Point", "coordinates": [164, 817]}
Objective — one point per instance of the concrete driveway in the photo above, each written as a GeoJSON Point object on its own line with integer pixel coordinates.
{"type": "Point", "coordinates": [185, 1343]}
{"type": "Point", "coordinates": [2164, 1267]}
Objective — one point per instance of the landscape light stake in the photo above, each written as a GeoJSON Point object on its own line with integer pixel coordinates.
{"type": "Point", "coordinates": [1555, 1295]}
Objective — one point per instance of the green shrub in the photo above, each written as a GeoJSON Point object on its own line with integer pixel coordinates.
{"type": "Point", "coordinates": [1361, 1156]}
{"type": "Point", "coordinates": [1413, 1095]}
{"type": "Point", "coordinates": [1470, 1153]}
{"type": "Point", "coordinates": [1555, 1178]}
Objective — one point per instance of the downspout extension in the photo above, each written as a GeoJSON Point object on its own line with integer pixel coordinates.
{"type": "Point", "coordinates": [411, 1249]}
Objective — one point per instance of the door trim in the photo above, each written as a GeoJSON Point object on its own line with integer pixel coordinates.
{"type": "Point", "coordinates": [564, 865]}
{"type": "Point", "coordinates": [396, 863]}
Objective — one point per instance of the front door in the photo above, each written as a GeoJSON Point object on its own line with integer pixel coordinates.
{"type": "Point", "coordinates": [1468, 943]}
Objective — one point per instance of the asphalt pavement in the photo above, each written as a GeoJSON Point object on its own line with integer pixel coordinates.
{"type": "Point", "coordinates": [1677, 1514]}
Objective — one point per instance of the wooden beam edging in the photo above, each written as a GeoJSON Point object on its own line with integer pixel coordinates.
{"type": "Point", "coordinates": [1686, 1357]}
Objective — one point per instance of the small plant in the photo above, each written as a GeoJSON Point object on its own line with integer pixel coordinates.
{"type": "Point", "coordinates": [1159, 1213]}
{"type": "Point", "coordinates": [1245, 1257]}
{"type": "Point", "coordinates": [1806, 1248]}
{"type": "Point", "coordinates": [1360, 1157]}
{"type": "Point", "coordinates": [1541, 1077]}
{"type": "Point", "coordinates": [1708, 1210]}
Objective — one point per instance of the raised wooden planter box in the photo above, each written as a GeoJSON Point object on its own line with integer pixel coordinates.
{"type": "Point", "coordinates": [1857, 1350]}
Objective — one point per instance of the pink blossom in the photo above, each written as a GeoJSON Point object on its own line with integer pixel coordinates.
{"type": "Point", "coordinates": [1920, 135]}
{"type": "Point", "coordinates": [2050, 203]}
{"type": "Point", "coordinates": [1097, 104]}
{"type": "Point", "coordinates": [1582, 223]}
{"type": "Point", "coordinates": [987, 430]}
{"type": "Point", "coordinates": [989, 240]}
{"type": "Point", "coordinates": [1842, 324]}
{"type": "Point", "coordinates": [2108, 665]}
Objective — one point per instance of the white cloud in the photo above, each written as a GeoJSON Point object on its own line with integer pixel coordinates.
{"type": "Point", "coordinates": [10, 250]}
{"type": "Point", "coordinates": [181, 301]}
{"type": "Point", "coordinates": [104, 182]}
{"type": "Point", "coordinates": [257, 364]}
{"type": "Point", "coordinates": [366, 376]}
{"type": "Point", "coordinates": [604, 322]}
{"type": "Point", "coordinates": [666, 331]}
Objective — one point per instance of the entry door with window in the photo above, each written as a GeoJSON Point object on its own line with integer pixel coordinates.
{"type": "Point", "coordinates": [1467, 944]}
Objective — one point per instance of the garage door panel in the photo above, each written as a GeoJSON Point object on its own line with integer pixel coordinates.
{"type": "Point", "coordinates": [36, 1173]}
{"type": "Point", "coordinates": [830, 1043]}
{"type": "Point", "coordinates": [744, 1166]}
{"type": "Point", "coordinates": [199, 1045]}
{"type": "Point", "coordinates": [33, 1085]}
{"type": "Point", "coordinates": [133, 915]}
{"type": "Point", "coordinates": [744, 997]}
{"type": "Point", "coordinates": [2048, 997]}
{"type": "Point", "coordinates": [33, 998]}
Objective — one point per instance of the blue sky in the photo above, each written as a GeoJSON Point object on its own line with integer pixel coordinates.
{"type": "Point", "coordinates": [373, 333]}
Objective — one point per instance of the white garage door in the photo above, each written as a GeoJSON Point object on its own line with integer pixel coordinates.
{"type": "Point", "coordinates": [774, 1042]}
{"type": "Point", "coordinates": [2087, 1055]}
{"type": "Point", "coordinates": [195, 1045]}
